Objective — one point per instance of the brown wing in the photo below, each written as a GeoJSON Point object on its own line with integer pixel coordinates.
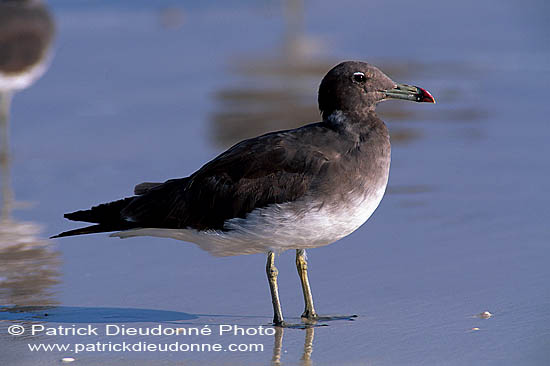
{"type": "Point", "coordinates": [273, 168]}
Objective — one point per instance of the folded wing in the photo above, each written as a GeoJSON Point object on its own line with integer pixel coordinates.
{"type": "Point", "coordinates": [273, 168]}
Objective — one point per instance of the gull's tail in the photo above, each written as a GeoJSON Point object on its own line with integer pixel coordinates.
{"type": "Point", "coordinates": [106, 218]}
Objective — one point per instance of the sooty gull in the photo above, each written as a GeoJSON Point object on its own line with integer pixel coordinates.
{"type": "Point", "coordinates": [26, 34]}
{"type": "Point", "coordinates": [293, 189]}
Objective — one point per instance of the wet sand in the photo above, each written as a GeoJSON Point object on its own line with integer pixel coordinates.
{"type": "Point", "coordinates": [462, 230]}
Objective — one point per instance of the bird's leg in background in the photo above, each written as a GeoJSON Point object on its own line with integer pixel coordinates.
{"type": "Point", "coordinates": [272, 274]}
{"type": "Point", "coordinates": [7, 194]}
{"type": "Point", "coordinates": [301, 265]}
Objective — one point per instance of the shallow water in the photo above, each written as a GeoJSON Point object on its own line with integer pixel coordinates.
{"type": "Point", "coordinates": [143, 93]}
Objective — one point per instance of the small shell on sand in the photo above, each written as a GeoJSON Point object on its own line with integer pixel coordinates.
{"type": "Point", "coordinates": [474, 329]}
{"type": "Point", "coordinates": [67, 359]}
{"type": "Point", "coordinates": [484, 315]}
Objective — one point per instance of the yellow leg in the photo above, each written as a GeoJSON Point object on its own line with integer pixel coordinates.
{"type": "Point", "coordinates": [272, 274]}
{"type": "Point", "coordinates": [301, 265]}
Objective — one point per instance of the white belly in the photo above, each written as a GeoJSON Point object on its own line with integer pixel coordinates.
{"type": "Point", "coordinates": [15, 82]}
{"type": "Point", "coordinates": [278, 227]}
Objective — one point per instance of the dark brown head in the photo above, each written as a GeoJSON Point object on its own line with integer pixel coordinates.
{"type": "Point", "coordinates": [356, 87]}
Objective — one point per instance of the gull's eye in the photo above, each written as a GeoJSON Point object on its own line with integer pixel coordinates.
{"type": "Point", "coordinates": [359, 77]}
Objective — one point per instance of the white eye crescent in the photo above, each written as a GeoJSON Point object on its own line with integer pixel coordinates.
{"type": "Point", "coordinates": [359, 77]}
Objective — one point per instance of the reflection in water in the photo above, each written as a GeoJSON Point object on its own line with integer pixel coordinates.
{"type": "Point", "coordinates": [171, 18]}
{"type": "Point", "coordinates": [305, 360]}
{"type": "Point", "coordinates": [277, 346]}
{"type": "Point", "coordinates": [84, 315]}
{"type": "Point", "coordinates": [281, 94]}
{"type": "Point", "coordinates": [308, 347]}
{"type": "Point", "coordinates": [28, 265]}
{"type": "Point", "coordinates": [278, 91]}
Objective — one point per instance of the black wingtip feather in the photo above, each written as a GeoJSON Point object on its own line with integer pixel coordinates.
{"type": "Point", "coordinates": [106, 213]}
{"type": "Point", "coordinates": [83, 215]}
{"type": "Point", "coordinates": [106, 217]}
{"type": "Point", "coordinates": [94, 229]}
{"type": "Point", "coordinates": [84, 230]}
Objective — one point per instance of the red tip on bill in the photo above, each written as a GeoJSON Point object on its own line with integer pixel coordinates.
{"type": "Point", "coordinates": [426, 96]}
